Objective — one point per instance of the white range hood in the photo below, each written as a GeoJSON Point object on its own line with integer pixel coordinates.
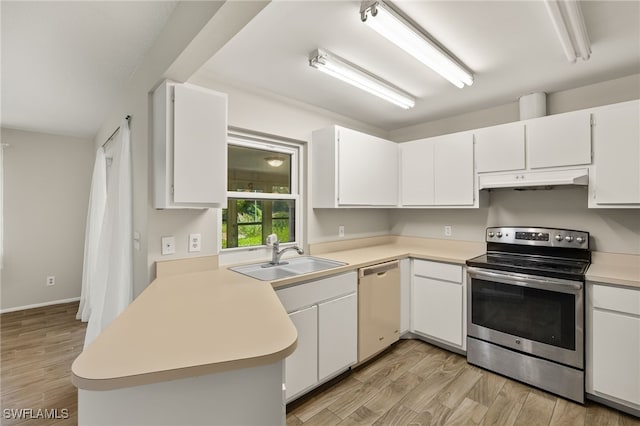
{"type": "Point", "coordinates": [575, 177]}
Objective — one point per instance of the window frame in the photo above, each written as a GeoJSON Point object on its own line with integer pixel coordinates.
{"type": "Point", "coordinates": [276, 146]}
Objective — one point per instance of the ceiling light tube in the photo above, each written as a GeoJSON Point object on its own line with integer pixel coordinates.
{"type": "Point", "coordinates": [561, 29]}
{"type": "Point", "coordinates": [579, 28]}
{"type": "Point", "coordinates": [389, 23]}
{"type": "Point", "coordinates": [342, 69]}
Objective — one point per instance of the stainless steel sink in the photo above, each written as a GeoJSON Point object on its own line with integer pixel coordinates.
{"type": "Point", "coordinates": [287, 268]}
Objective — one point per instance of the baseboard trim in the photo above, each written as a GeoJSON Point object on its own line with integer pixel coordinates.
{"type": "Point", "coordinates": [39, 305]}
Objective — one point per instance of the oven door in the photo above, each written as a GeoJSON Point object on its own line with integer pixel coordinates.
{"type": "Point", "coordinates": [537, 315]}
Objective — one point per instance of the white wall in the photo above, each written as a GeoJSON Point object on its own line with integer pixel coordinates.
{"type": "Point", "coordinates": [192, 34]}
{"type": "Point", "coordinates": [614, 231]}
{"type": "Point", "coordinates": [272, 115]}
{"type": "Point", "coordinates": [603, 93]}
{"type": "Point", "coordinates": [46, 194]}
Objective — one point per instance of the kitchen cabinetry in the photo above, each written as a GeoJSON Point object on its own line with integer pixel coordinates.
{"type": "Point", "coordinates": [325, 313]}
{"type": "Point", "coordinates": [301, 366]}
{"type": "Point", "coordinates": [353, 169]}
{"type": "Point", "coordinates": [559, 140]}
{"type": "Point", "coordinates": [438, 302]}
{"type": "Point", "coordinates": [189, 146]}
{"type": "Point", "coordinates": [615, 176]}
{"type": "Point", "coordinates": [500, 148]}
{"type": "Point", "coordinates": [438, 171]}
{"type": "Point", "coordinates": [613, 344]}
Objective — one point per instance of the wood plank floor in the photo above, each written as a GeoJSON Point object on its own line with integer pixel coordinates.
{"type": "Point", "coordinates": [37, 347]}
{"type": "Point", "coordinates": [415, 383]}
{"type": "Point", "coordinates": [412, 383]}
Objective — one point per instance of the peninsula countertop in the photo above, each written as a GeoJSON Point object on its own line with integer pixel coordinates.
{"type": "Point", "coordinates": [206, 322]}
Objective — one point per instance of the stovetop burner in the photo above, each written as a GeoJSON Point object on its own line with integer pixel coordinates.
{"type": "Point", "coordinates": [556, 253]}
{"type": "Point", "coordinates": [532, 265]}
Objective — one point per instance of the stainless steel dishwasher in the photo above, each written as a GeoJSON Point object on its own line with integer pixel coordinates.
{"type": "Point", "coordinates": [378, 308]}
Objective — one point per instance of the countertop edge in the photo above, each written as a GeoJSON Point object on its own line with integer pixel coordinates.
{"type": "Point", "coordinates": [83, 383]}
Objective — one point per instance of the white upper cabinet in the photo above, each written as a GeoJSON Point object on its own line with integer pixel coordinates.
{"type": "Point", "coordinates": [453, 170]}
{"type": "Point", "coordinates": [615, 178]}
{"type": "Point", "coordinates": [559, 140]}
{"type": "Point", "coordinates": [416, 173]}
{"type": "Point", "coordinates": [353, 169]}
{"type": "Point", "coordinates": [189, 146]}
{"type": "Point", "coordinates": [437, 171]}
{"type": "Point", "coordinates": [500, 148]}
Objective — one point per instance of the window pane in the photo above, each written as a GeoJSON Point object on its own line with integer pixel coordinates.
{"type": "Point", "coordinates": [258, 170]}
{"type": "Point", "coordinates": [247, 222]}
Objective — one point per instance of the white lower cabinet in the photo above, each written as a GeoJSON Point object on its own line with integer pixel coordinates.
{"type": "Point", "coordinates": [613, 344]}
{"type": "Point", "coordinates": [301, 366]}
{"type": "Point", "coordinates": [337, 335]}
{"type": "Point", "coordinates": [438, 305]}
{"type": "Point", "coordinates": [325, 313]}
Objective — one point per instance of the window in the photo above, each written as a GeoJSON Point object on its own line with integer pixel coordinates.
{"type": "Point", "coordinates": [263, 193]}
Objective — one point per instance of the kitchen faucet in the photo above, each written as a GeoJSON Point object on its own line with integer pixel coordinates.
{"type": "Point", "coordinates": [277, 254]}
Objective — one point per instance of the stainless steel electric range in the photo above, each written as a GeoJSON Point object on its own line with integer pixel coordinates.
{"type": "Point", "coordinates": [526, 307]}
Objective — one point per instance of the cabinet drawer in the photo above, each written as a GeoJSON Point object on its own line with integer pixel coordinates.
{"type": "Point", "coordinates": [441, 271]}
{"type": "Point", "coordinates": [306, 294]}
{"type": "Point", "coordinates": [616, 299]}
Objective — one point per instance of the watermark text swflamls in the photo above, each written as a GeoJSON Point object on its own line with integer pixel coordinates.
{"type": "Point", "coordinates": [35, 413]}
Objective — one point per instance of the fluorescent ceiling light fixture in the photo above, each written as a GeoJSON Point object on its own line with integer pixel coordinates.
{"type": "Point", "coordinates": [570, 27]}
{"type": "Point", "coordinates": [395, 27]}
{"type": "Point", "coordinates": [344, 70]}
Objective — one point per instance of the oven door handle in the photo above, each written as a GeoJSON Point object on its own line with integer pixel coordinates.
{"type": "Point", "coordinates": [543, 283]}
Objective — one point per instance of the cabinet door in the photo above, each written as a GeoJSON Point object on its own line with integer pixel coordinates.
{"type": "Point", "coordinates": [367, 170]}
{"type": "Point", "coordinates": [500, 148]}
{"type": "Point", "coordinates": [337, 335]}
{"type": "Point", "coordinates": [559, 140]}
{"type": "Point", "coordinates": [616, 355]}
{"type": "Point", "coordinates": [301, 367]}
{"type": "Point", "coordinates": [453, 169]}
{"type": "Point", "coordinates": [199, 146]}
{"type": "Point", "coordinates": [616, 139]}
{"type": "Point", "coordinates": [436, 309]}
{"type": "Point", "coordinates": [416, 173]}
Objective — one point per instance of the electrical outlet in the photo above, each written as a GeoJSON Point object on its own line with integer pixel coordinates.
{"type": "Point", "coordinates": [447, 230]}
{"type": "Point", "coordinates": [194, 242]}
{"type": "Point", "coordinates": [168, 245]}
{"type": "Point", "coordinates": [341, 231]}
{"type": "Point", "coordinates": [51, 280]}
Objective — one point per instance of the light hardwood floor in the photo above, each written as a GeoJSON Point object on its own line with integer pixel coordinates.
{"type": "Point", "coordinates": [415, 383]}
{"type": "Point", "coordinates": [412, 383]}
{"type": "Point", "coordinates": [37, 347]}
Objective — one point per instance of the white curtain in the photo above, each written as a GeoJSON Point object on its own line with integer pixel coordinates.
{"type": "Point", "coordinates": [112, 288]}
{"type": "Point", "coordinates": [95, 217]}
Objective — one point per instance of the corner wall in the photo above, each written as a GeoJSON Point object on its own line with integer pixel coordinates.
{"type": "Point", "coordinates": [46, 193]}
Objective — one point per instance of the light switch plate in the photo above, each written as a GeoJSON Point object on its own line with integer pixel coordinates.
{"type": "Point", "coordinates": [194, 242]}
{"type": "Point", "coordinates": [168, 245]}
{"type": "Point", "coordinates": [341, 231]}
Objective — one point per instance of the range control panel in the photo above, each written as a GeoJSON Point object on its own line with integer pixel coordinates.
{"type": "Point", "coordinates": [548, 237]}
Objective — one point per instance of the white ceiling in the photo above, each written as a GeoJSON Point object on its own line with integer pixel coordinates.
{"type": "Point", "coordinates": [65, 62]}
{"type": "Point", "coordinates": [510, 46]}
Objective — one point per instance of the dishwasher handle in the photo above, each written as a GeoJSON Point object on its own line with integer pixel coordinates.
{"type": "Point", "coordinates": [379, 269]}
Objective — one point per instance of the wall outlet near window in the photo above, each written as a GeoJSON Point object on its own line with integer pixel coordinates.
{"type": "Point", "coordinates": [447, 230]}
{"type": "Point", "coordinates": [341, 231]}
{"type": "Point", "coordinates": [51, 280]}
{"type": "Point", "coordinates": [168, 245]}
{"type": "Point", "coordinates": [194, 242]}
